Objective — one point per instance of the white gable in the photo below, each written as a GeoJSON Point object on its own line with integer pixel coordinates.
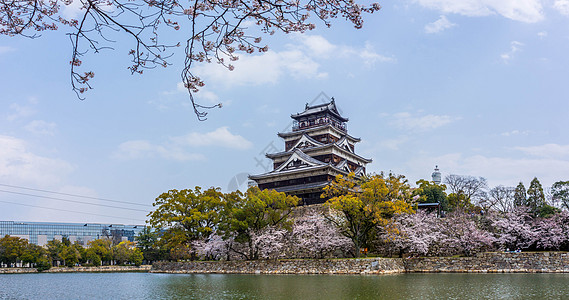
{"type": "Point", "coordinates": [344, 144]}
{"type": "Point", "coordinates": [343, 165]}
{"type": "Point", "coordinates": [306, 141]}
{"type": "Point", "coordinates": [298, 160]}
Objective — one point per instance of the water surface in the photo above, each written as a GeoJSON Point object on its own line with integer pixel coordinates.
{"type": "Point", "coordinates": [217, 286]}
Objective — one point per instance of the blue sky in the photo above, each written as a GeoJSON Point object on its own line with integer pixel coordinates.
{"type": "Point", "coordinates": [477, 87]}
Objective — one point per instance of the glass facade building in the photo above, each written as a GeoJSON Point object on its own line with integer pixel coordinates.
{"type": "Point", "coordinates": [40, 233]}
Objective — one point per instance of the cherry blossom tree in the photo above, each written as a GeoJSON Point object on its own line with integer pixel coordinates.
{"type": "Point", "coordinates": [416, 234]}
{"type": "Point", "coordinates": [463, 234]}
{"type": "Point", "coordinates": [315, 236]}
{"type": "Point", "coordinates": [270, 242]}
{"type": "Point", "coordinates": [553, 233]}
{"type": "Point", "coordinates": [513, 230]}
{"type": "Point", "coordinates": [211, 30]}
{"type": "Point", "coordinates": [213, 248]}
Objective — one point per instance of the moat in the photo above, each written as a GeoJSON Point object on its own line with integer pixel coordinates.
{"type": "Point", "coordinates": [225, 286]}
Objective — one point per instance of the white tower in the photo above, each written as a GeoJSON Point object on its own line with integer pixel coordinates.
{"type": "Point", "coordinates": [436, 175]}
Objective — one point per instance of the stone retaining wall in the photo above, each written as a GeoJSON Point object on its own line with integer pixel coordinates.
{"type": "Point", "coordinates": [144, 268]}
{"type": "Point", "coordinates": [493, 262]}
{"type": "Point", "coordinates": [293, 266]}
{"type": "Point", "coordinates": [17, 270]}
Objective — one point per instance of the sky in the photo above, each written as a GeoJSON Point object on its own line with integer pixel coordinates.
{"type": "Point", "coordinates": [476, 87]}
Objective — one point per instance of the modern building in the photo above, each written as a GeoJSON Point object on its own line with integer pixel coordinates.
{"type": "Point", "coordinates": [316, 150]}
{"type": "Point", "coordinates": [40, 233]}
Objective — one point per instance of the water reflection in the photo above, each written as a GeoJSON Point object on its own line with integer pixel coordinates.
{"type": "Point", "coordinates": [216, 286]}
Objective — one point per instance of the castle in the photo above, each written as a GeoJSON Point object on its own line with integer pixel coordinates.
{"type": "Point", "coordinates": [316, 150]}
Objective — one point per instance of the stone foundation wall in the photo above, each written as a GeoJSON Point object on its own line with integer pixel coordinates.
{"type": "Point", "coordinates": [293, 266]}
{"type": "Point", "coordinates": [144, 268]}
{"type": "Point", "coordinates": [493, 262]}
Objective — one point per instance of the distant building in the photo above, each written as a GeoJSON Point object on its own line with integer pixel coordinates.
{"type": "Point", "coordinates": [437, 178]}
{"type": "Point", "coordinates": [316, 150]}
{"type": "Point", "coordinates": [40, 233]}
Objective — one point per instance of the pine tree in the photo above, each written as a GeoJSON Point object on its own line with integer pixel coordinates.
{"type": "Point", "coordinates": [535, 196]}
{"type": "Point", "coordinates": [520, 195]}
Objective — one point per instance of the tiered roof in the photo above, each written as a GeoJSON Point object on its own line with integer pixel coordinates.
{"type": "Point", "coordinates": [319, 148]}
{"type": "Point", "coordinates": [320, 108]}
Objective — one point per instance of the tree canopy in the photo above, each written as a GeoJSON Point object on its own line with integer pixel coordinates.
{"type": "Point", "coordinates": [246, 216]}
{"type": "Point", "coordinates": [560, 192]}
{"type": "Point", "coordinates": [186, 215]}
{"type": "Point", "coordinates": [209, 31]}
{"type": "Point", "coordinates": [367, 205]}
{"type": "Point", "coordinates": [430, 192]}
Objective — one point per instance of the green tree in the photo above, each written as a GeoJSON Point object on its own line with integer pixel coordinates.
{"type": "Point", "coordinates": [560, 192]}
{"type": "Point", "coordinates": [103, 249]}
{"type": "Point", "coordinates": [430, 192]}
{"type": "Point", "coordinates": [520, 195]}
{"type": "Point", "coordinates": [32, 254]}
{"type": "Point", "coordinates": [547, 211]}
{"type": "Point", "coordinates": [136, 257]}
{"type": "Point", "coordinates": [65, 241]}
{"type": "Point", "coordinates": [122, 252]}
{"type": "Point", "coordinates": [186, 215]}
{"type": "Point", "coordinates": [43, 263]}
{"type": "Point", "coordinates": [459, 201]}
{"type": "Point", "coordinates": [92, 257]}
{"type": "Point", "coordinates": [367, 205]}
{"type": "Point", "coordinates": [147, 242]}
{"type": "Point", "coordinates": [70, 256]}
{"type": "Point", "coordinates": [535, 197]}
{"type": "Point", "coordinates": [473, 189]}
{"type": "Point", "coordinates": [258, 209]}
{"type": "Point", "coordinates": [11, 249]}
{"type": "Point", "coordinates": [54, 249]}
{"type": "Point", "coordinates": [81, 250]}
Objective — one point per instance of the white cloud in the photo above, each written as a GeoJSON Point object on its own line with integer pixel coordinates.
{"type": "Point", "coordinates": [266, 68]}
{"type": "Point", "coordinates": [407, 121]}
{"type": "Point", "coordinates": [41, 127]}
{"type": "Point", "coordinates": [176, 147]}
{"type": "Point", "coordinates": [516, 132]}
{"type": "Point", "coordinates": [529, 11]}
{"type": "Point", "coordinates": [547, 151]}
{"type": "Point", "coordinates": [498, 170]}
{"type": "Point", "coordinates": [439, 25]}
{"type": "Point", "coordinates": [393, 144]}
{"type": "Point", "coordinates": [515, 47]}
{"type": "Point", "coordinates": [20, 111]}
{"type": "Point", "coordinates": [542, 34]}
{"type": "Point", "coordinates": [316, 45]}
{"type": "Point", "coordinates": [369, 56]}
{"type": "Point", "coordinates": [319, 47]}
{"type": "Point", "coordinates": [19, 164]}
{"type": "Point", "coordinates": [72, 10]}
{"type": "Point", "coordinates": [144, 149]}
{"type": "Point", "coordinates": [221, 137]}
{"type": "Point", "coordinates": [300, 60]}
{"type": "Point", "coordinates": [562, 6]}
{"type": "Point", "coordinates": [6, 49]}
{"type": "Point", "coordinates": [204, 95]}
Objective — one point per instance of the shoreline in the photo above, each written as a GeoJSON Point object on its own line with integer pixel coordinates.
{"type": "Point", "coordinates": [489, 262]}
{"type": "Point", "coordinates": [101, 269]}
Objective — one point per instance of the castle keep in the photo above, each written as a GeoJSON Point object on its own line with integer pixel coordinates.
{"type": "Point", "coordinates": [316, 150]}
